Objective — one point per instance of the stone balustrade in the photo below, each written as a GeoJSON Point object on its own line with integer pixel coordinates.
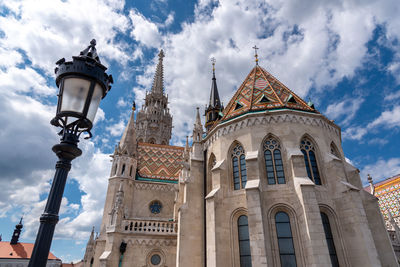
{"type": "Point", "coordinates": [150, 227]}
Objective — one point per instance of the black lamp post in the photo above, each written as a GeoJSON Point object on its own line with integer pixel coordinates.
{"type": "Point", "coordinates": [82, 82]}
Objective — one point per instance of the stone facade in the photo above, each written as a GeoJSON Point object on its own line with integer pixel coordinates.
{"type": "Point", "coordinates": [267, 184]}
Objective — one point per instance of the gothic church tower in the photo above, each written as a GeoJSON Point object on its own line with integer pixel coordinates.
{"type": "Point", "coordinates": [154, 122]}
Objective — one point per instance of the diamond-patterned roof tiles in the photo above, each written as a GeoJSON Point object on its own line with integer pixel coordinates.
{"type": "Point", "coordinates": [262, 91]}
{"type": "Point", "coordinates": [159, 162]}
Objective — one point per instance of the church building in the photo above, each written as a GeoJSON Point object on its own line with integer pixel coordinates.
{"type": "Point", "coordinates": [265, 183]}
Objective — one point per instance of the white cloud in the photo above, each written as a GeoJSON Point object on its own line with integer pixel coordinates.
{"type": "Point", "coordinates": [381, 169]}
{"type": "Point", "coordinates": [116, 129]}
{"type": "Point", "coordinates": [392, 96]}
{"type": "Point", "coordinates": [344, 110]}
{"type": "Point", "coordinates": [143, 30]}
{"type": "Point", "coordinates": [47, 30]}
{"type": "Point", "coordinates": [387, 119]}
{"type": "Point", "coordinates": [25, 80]}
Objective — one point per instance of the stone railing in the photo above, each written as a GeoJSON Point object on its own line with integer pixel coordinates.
{"type": "Point", "coordinates": [150, 227]}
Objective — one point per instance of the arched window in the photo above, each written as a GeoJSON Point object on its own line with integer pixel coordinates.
{"type": "Point", "coordinates": [334, 150]}
{"type": "Point", "coordinates": [211, 163]}
{"type": "Point", "coordinates": [329, 240]}
{"type": "Point", "coordinates": [239, 167]}
{"type": "Point", "coordinates": [130, 171]}
{"type": "Point", "coordinates": [244, 241]}
{"type": "Point", "coordinates": [123, 169]}
{"type": "Point", "coordinates": [273, 161]}
{"type": "Point", "coordinates": [116, 168]}
{"type": "Point", "coordinates": [285, 240]}
{"type": "Point", "coordinates": [308, 149]}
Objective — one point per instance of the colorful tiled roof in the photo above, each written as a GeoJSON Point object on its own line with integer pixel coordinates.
{"type": "Point", "coordinates": [159, 162]}
{"type": "Point", "coordinates": [388, 193]}
{"type": "Point", "coordinates": [262, 91]}
{"type": "Point", "coordinates": [19, 251]}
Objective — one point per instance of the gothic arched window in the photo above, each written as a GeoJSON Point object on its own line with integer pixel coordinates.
{"type": "Point", "coordinates": [285, 239]}
{"type": "Point", "coordinates": [308, 150]}
{"type": "Point", "coordinates": [273, 161]}
{"type": "Point", "coordinates": [123, 169]}
{"type": "Point", "coordinates": [244, 241]}
{"type": "Point", "coordinates": [239, 167]}
{"type": "Point", "coordinates": [334, 150]}
{"type": "Point", "coordinates": [329, 240]}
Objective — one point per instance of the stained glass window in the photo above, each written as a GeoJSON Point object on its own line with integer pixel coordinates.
{"type": "Point", "coordinates": [239, 171]}
{"type": "Point", "coordinates": [329, 240]}
{"type": "Point", "coordinates": [244, 242]}
{"type": "Point", "coordinates": [308, 150]}
{"type": "Point", "coordinates": [285, 240]}
{"type": "Point", "coordinates": [273, 162]}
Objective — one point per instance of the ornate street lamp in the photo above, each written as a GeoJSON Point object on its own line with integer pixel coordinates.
{"type": "Point", "coordinates": [82, 82]}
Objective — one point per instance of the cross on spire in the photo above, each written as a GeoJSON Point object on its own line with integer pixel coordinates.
{"type": "Point", "coordinates": [213, 63]}
{"type": "Point", "coordinates": [255, 53]}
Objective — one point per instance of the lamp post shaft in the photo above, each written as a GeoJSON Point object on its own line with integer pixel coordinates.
{"type": "Point", "coordinates": [66, 151]}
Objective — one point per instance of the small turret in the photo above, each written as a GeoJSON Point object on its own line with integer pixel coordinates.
{"type": "Point", "coordinates": [198, 128]}
{"type": "Point", "coordinates": [214, 109]}
{"type": "Point", "coordinates": [371, 183]}
{"type": "Point", "coordinates": [17, 233]}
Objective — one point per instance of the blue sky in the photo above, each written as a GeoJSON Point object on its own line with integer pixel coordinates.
{"type": "Point", "coordinates": [343, 54]}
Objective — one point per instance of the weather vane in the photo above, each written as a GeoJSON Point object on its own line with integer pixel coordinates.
{"type": "Point", "coordinates": [255, 53]}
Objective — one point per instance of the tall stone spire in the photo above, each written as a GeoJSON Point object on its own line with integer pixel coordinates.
{"type": "Point", "coordinates": [128, 143]}
{"type": "Point", "coordinates": [17, 233]}
{"type": "Point", "coordinates": [214, 109]}
{"type": "Point", "coordinates": [153, 121]}
{"type": "Point", "coordinates": [158, 81]}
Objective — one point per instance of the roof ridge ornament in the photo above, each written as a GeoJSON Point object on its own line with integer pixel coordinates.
{"type": "Point", "coordinates": [255, 54]}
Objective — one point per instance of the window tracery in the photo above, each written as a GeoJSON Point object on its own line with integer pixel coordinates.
{"type": "Point", "coordinates": [308, 149]}
{"type": "Point", "coordinates": [239, 167]}
{"type": "Point", "coordinates": [273, 161]}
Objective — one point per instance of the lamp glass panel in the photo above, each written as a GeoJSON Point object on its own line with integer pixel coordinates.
{"type": "Point", "coordinates": [74, 94]}
{"type": "Point", "coordinates": [95, 102]}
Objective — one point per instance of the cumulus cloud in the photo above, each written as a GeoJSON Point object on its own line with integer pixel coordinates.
{"type": "Point", "coordinates": [387, 119]}
{"type": "Point", "coordinates": [116, 129]}
{"type": "Point", "coordinates": [381, 169]}
{"type": "Point", "coordinates": [344, 110]}
{"type": "Point", "coordinates": [144, 30]}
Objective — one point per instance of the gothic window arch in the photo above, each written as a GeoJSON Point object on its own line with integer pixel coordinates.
{"type": "Point", "coordinates": [239, 171]}
{"type": "Point", "coordinates": [307, 147]}
{"type": "Point", "coordinates": [273, 161]}
{"type": "Point", "coordinates": [284, 234]}
{"type": "Point", "coordinates": [211, 163]}
{"type": "Point", "coordinates": [334, 150]}
{"type": "Point", "coordinates": [244, 241]}
{"type": "Point", "coordinates": [123, 169]}
{"type": "Point", "coordinates": [329, 239]}
{"type": "Point", "coordinates": [115, 168]}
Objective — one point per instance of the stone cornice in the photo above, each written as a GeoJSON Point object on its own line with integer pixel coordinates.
{"type": "Point", "coordinates": [270, 117]}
